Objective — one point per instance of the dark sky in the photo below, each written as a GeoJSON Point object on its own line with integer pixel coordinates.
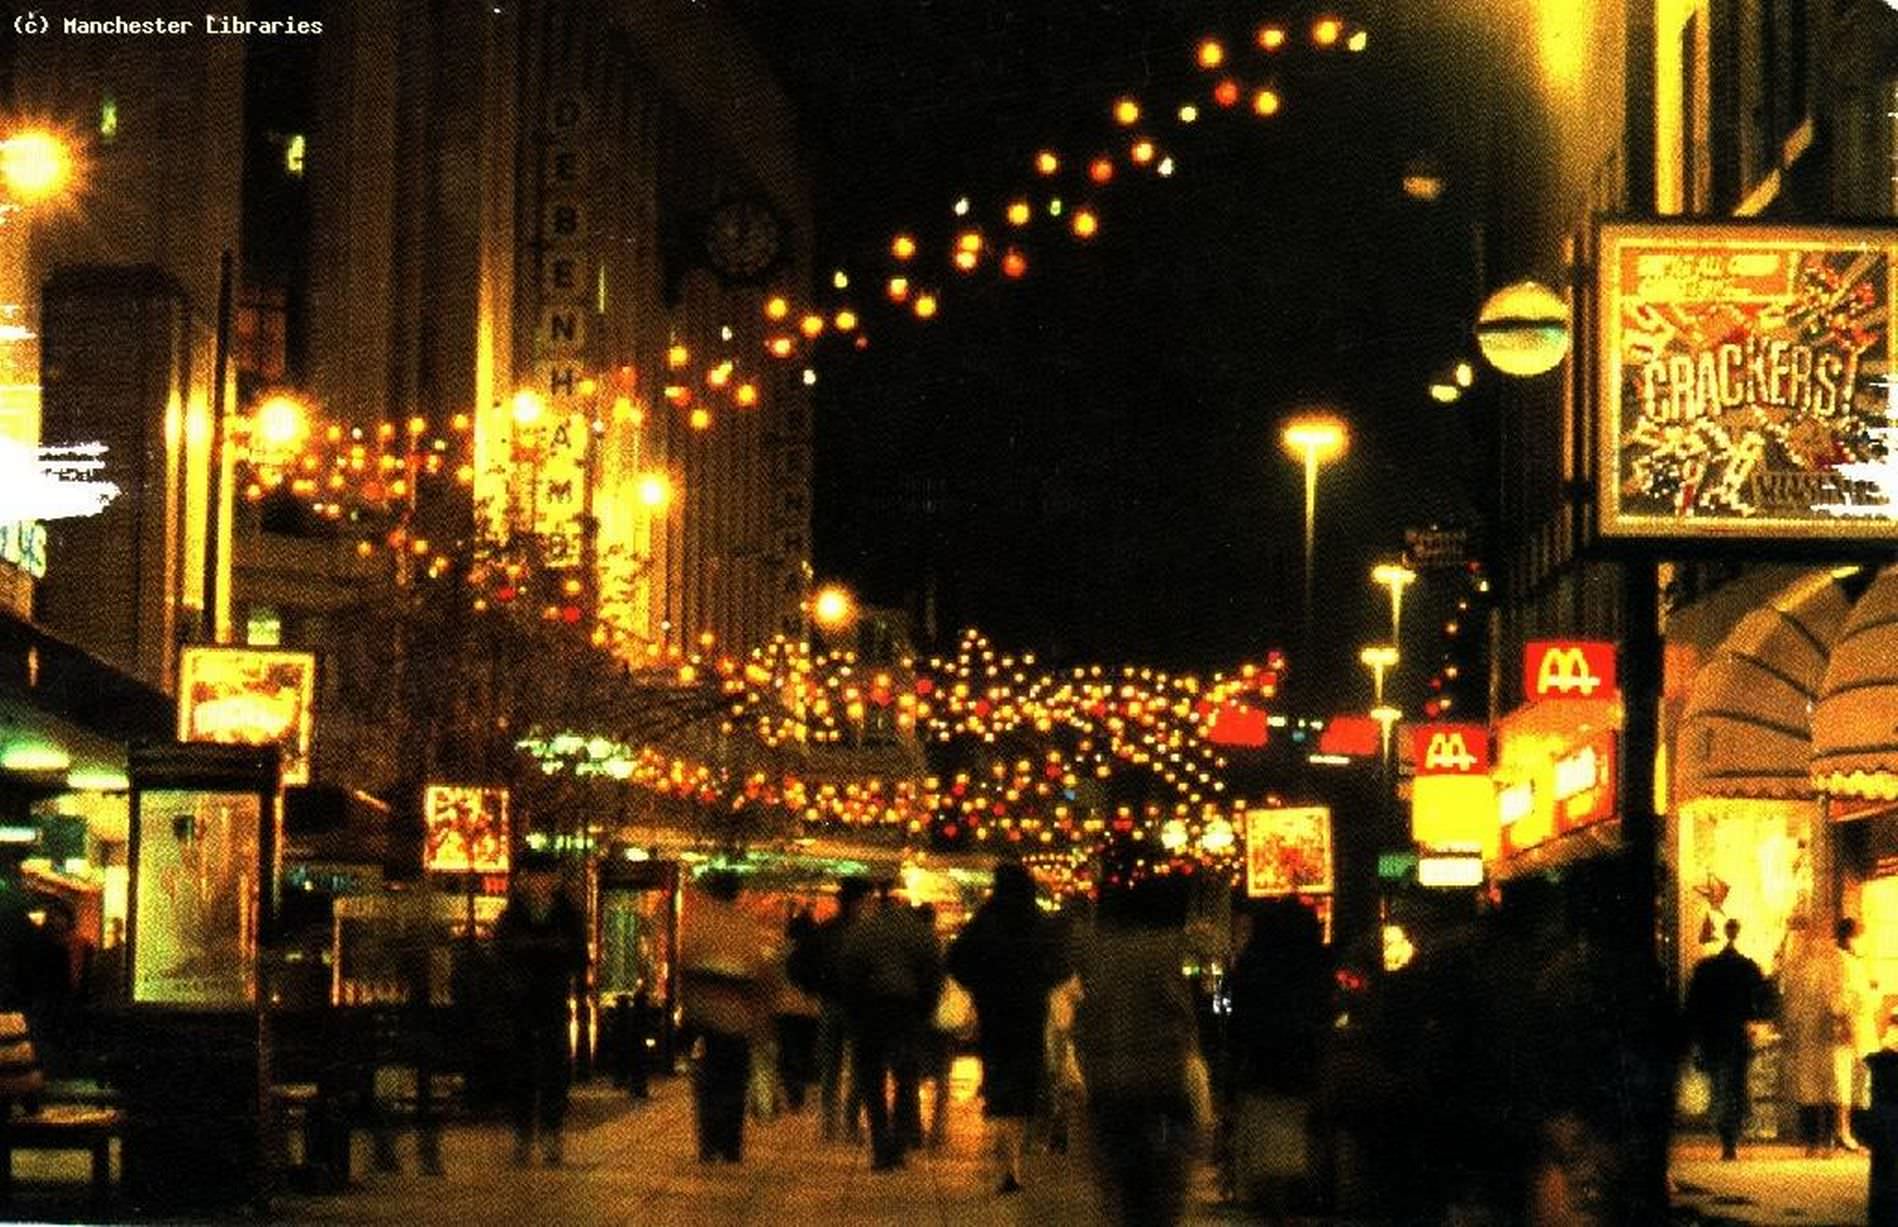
{"type": "Point", "coordinates": [1085, 463]}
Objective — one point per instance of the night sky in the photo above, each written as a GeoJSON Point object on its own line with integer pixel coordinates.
{"type": "Point", "coordinates": [1086, 463]}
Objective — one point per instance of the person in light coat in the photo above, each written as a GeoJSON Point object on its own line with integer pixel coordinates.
{"type": "Point", "coordinates": [1828, 1029]}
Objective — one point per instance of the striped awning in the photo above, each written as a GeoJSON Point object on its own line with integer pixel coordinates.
{"type": "Point", "coordinates": [1855, 724]}
{"type": "Point", "coordinates": [1747, 729]}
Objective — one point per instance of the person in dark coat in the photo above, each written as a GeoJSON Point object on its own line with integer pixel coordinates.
{"type": "Point", "coordinates": [1724, 995]}
{"type": "Point", "coordinates": [1282, 1013]}
{"type": "Point", "coordinates": [891, 970]}
{"type": "Point", "coordinates": [541, 942]}
{"type": "Point", "coordinates": [815, 967]}
{"type": "Point", "coordinates": [1009, 958]}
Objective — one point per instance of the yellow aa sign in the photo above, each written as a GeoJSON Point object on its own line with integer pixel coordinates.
{"type": "Point", "coordinates": [1448, 752]}
{"type": "Point", "coordinates": [1566, 671]}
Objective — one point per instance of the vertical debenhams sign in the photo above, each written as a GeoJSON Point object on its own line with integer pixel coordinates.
{"type": "Point", "coordinates": [556, 443]}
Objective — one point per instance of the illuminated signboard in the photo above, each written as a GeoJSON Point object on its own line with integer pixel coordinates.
{"type": "Point", "coordinates": [1452, 801]}
{"type": "Point", "coordinates": [1583, 785]}
{"type": "Point", "coordinates": [1354, 736]}
{"type": "Point", "coordinates": [1450, 749]}
{"type": "Point", "coordinates": [465, 829]}
{"type": "Point", "coordinates": [23, 545]}
{"type": "Point", "coordinates": [1235, 725]}
{"type": "Point", "coordinates": [242, 696]}
{"type": "Point", "coordinates": [1288, 851]}
{"type": "Point", "coordinates": [1568, 669]}
{"type": "Point", "coordinates": [1450, 870]}
{"type": "Point", "coordinates": [195, 926]}
{"type": "Point", "coordinates": [1743, 378]}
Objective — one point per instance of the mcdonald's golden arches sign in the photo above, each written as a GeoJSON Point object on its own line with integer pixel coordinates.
{"type": "Point", "coordinates": [1568, 669]}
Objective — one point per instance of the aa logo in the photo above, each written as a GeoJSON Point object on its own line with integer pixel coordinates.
{"type": "Point", "coordinates": [1565, 671]}
{"type": "Point", "coordinates": [1448, 752]}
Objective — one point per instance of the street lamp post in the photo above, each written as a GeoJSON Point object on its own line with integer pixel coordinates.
{"type": "Point", "coordinates": [1313, 439]}
{"type": "Point", "coordinates": [1397, 577]}
{"type": "Point", "coordinates": [1379, 657]}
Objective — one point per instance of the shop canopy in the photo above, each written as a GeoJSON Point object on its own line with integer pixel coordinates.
{"type": "Point", "coordinates": [1747, 730]}
{"type": "Point", "coordinates": [1855, 722]}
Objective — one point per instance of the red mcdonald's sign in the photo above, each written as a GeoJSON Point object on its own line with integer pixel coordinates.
{"type": "Point", "coordinates": [1568, 669]}
{"type": "Point", "coordinates": [1451, 749]}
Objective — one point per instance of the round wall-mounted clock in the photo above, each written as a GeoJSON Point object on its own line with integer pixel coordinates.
{"type": "Point", "coordinates": [744, 239]}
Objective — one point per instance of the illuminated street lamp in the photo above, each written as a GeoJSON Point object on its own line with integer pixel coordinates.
{"type": "Point", "coordinates": [1386, 717]}
{"type": "Point", "coordinates": [833, 608]}
{"type": "Point", "coordinates": [654, 491]}
{"type": "Point", "coordinates": [278, 424]}
{"type": "Point", "coordinates": [1397, 577]}
{"type": "Point", "coordinates": [1313, 439]}
{"type": "Point", "coordinates": [1379, 658]}
{"type": "Point", "coordinates": [35, 165]}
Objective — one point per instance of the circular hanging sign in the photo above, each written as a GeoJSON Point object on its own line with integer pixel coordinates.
{"type": "Point", "coordinates": [1523, 329]}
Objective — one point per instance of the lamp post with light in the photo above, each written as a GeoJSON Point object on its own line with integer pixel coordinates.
{"type": "Point", "coordinates": [1378, 658]}
{"type": "Point", "coordinates": [1312, 439]}
{"type": "Point", "coordinates": [1397, 577]}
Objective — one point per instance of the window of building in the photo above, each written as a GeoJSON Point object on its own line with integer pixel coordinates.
{"type": "Point", "coordinates": [263, 627]}
{"type": "Point", "coordinates": [294, 148]}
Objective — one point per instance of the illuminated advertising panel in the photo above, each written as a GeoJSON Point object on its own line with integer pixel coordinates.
{"type": "Point", "coordinates": [243, 696]}
{"type": "Point", "coordinates": [1568, 669]}
{"type": "Point", "coordinates": [1288, 851]}
{"type": "Point", "coordinates": [465, 829]}
{"type": "Point", "coordinates": [1450, 749]}
{"type": "Point", "coordinates": [197, 855]}
{"type": "Point", "coordinates": [1742, 387]}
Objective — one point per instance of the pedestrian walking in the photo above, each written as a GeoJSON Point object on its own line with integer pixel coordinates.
{"type": "Point", "coordinates": [892, 972]}
{"type": "Point", "coordinates": [1010, 958]}
{"type": "Point", "coordinates": [728, 981]}
{"type": "Point", "coordinates": [949, 1023]}
{"type": "Point", "coordinates": [795, 1018]}
{"type": "Point", "coordinates": [1138, 1042]}
{"type": "Point", "coordinates": [1281, 1017]}
{"type": "Point", "coordinates": [1725, 993]}
{"type": "Point", "coordinates": [1828, 1029]}
{"type": "Point", "coordinates": [815, 966]}
{"type": "Point", "coordinates": [541, 943]}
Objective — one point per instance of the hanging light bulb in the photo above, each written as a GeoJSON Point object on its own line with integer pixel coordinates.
{"type": "Point", "coordinates": [1211, 53]}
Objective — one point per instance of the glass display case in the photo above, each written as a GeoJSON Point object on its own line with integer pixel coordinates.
{"type": "Point", "coordinates": [203, 861]}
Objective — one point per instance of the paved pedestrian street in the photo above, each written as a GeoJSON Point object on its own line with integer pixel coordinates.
{"type": "Point", "coordinates": [630, 1162]}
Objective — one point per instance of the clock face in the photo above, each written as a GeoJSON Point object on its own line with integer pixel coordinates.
{"type": "Point", "coordinates": [743, 239]}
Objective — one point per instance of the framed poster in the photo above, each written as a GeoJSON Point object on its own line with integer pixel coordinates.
{"type": "Point", "coordinates": [465, 829]}
{"type": "Point", "coordinates": [1288, 851]}
{"type": "Point", "coordinates": [198, 854]}
{"type": "Point", "coordinates": [249, 697]}
{"type": "Point", "coordinates": [1743, 382]}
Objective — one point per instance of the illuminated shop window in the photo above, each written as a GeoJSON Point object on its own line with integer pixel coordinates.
{"type": "Point", "coordinates": [263, 628]}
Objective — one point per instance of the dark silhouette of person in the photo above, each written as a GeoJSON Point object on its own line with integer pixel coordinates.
{"type": "Point", "coordinates": [1136, 1033]}
{"type": "Point", "coordinates": [1724, 994]}
{"type": "Point", "coordinates": [1282, 1013]}
{"type": "Point", "coordinates": [815, 966]}
{"type": "Point", "coordinates": [541, 943]}
{"type": "Point", "coordinates": [1009, 958]}
{"type": "Point", "coordinates": [892, 974]}
{"type": "Point", "coordinates": [796, 1022]}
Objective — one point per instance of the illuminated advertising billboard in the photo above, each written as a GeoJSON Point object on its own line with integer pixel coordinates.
{"type": "Point", "coordinates": [1288, 851]}
{"type": "Point", "coordinates": [1742, 383]}
{"type": "Point", "coordinates": [244, 696]}
{"type": "Point", "coordinates": [464, 829]}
